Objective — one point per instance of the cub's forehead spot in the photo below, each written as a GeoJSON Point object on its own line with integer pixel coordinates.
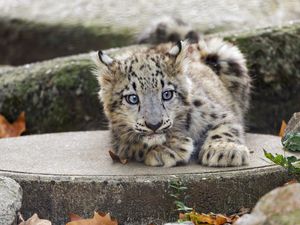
{"type": "Point", "coordinates": [143, 62]}
{"type": "Point", "coordinates": [144, 71]}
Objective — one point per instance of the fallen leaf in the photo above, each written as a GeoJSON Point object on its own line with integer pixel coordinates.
{"type": "Point", "coordinates": [211, 218]}
{"type": "Point", "coordinates": [74, 217]}
{"type": "Point", "coordinates": [293, 181]}
{"type": "Point", "coordinates": [14, 129]}
{"type": "Point", "coordinates": [282, 129]}
{"type": "Point", "coordinates": [204, 218]}
{"type": "Point", "coordinates": [98, 219]}
{"type": "Point", "coordinates": [34, 220]}
{"type": "Point", "coordinates": [116, 158]}
{"type": "Point", "coordinates": [106, 219]}
{"type": "Point", "coordinates": [221, 219]}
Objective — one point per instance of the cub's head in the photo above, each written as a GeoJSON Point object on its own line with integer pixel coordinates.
{"type": "Point", "coordinates": [144, 94]}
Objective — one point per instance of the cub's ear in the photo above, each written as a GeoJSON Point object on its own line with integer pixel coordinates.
{"type": "Point", "coordinates": [101, 58]}
{"type": "Point", "coordinates": [104, 58]}
{"type": "Point", "coordinates": [178, 57]}
{"type": "Point", "coordinates": [106, 74]}
{"type": "Point", "coordinates": [176, 50]}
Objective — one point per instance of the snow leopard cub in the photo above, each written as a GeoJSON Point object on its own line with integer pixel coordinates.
{"type": "Point", "coordinates": [165, 103]}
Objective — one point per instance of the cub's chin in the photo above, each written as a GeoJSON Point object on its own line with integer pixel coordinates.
{"type": "Point", "coordinates": [154, 139]}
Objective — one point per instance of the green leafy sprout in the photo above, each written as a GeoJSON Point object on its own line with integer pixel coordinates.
{"type": "Point", "coordinates": [291, 142]}
{"type": "Point", "coordinates": [179, 195]}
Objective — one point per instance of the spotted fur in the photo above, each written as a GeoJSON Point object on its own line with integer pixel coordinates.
{"type": "Point", "coordinates": [209, 88]}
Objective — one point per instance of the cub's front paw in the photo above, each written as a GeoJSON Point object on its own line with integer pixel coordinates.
{"type": "Point", "coordinates": [224, 154]}
{"type": "Point", "coordinates": [177, 150]}
{"type": "Point", "coordinates": [160, 156]}
{"type": "Point", "coordinates": [167, 157]}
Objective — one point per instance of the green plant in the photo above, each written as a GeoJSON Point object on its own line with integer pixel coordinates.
{"type": "Point", "coordinates": [290, 141]}
{"type": "Point", "coordinates": [291, 163]}
{"type": "Point", "coordinates": [179, 195]}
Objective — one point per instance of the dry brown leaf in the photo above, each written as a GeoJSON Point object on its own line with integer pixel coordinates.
{"type": "Point", "coordinates": [211, 218]}
{"type": "Point", "coordinates": [106, 219]}
{"type": "Point", "coordinates": [34, 220]}
{"type": "Point", "coordinates": [282, 129]}
{"type": "Point", "coordinates": [293, 181]}
{"type": "Point", "coordinates": [74, 217]}
{"type": "Point", "coordinates": [221, 219]}
{"type": "Point", "coordinates": [84, 222]}
{"type": "Point", "coordinates": [199, 218]}
{"type": "Point", "coordinates": [204, 218]}
{"type": "Point", "coordinates": [98, 219]}
{"type": "Point", "coordinates": [14, 129]}
{"type": "Point", "coordinates": [116, 158]}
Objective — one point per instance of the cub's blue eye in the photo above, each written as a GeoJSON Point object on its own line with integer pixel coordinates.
{"type": "Point", "coordinates": [167, 95]}
{"type": "Point", "coordinates": [132, 99]}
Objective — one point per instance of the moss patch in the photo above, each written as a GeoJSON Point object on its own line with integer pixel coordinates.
{"type": "Point", "coordinates": [58, 95]}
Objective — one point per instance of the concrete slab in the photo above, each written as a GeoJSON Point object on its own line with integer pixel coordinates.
{"type": "Point", "coordinates": [86, 154]}
{"type": "Point", "coordinates": [72, 172]}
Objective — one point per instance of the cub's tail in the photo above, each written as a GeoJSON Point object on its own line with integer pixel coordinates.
{"type": "Point", "coordinates": [229, 63]}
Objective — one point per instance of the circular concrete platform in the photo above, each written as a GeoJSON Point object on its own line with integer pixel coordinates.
{"type": "Point", "coordinates": [73, 172]}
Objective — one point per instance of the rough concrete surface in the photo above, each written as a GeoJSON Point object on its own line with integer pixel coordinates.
{"type": "Point", "coordinates": [73, 172]}
{"type": "Point", "coordinates": [32, 30]}
{"type": "Point", "coordinates": [10, 200]}
{"type": "Point", "coordinates": [61, 94]}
